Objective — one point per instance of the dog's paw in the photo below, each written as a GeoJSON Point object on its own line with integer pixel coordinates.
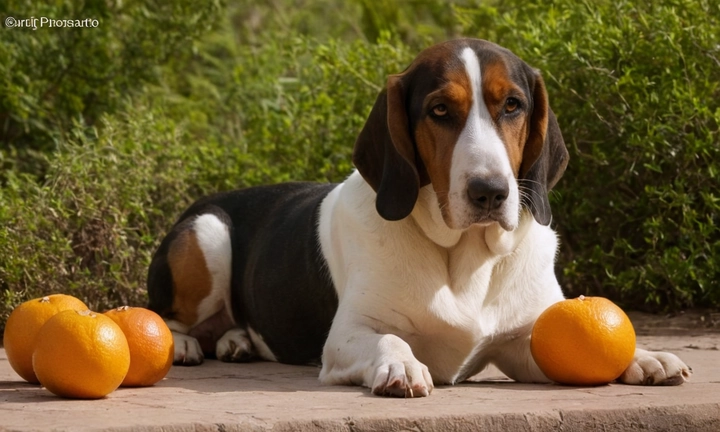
{"type": "Point", "coordinates": [656, 368]}
{"type": "Point", "coordinates": [234, 346]}
{"type": "Point", "coordinates": [402, 379]}
{"type": "Point", "coordinates": [187, 350]}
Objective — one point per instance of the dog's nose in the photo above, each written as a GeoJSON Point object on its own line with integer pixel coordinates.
{"type": "Point", "coordinates": [488, 194]}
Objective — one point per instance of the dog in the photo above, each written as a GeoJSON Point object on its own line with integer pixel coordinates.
{"type": "Point", "coordinates": [429, 262]}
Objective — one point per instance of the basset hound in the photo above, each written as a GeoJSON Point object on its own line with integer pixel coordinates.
{"type": "Point", "coordinates": [430, 261]}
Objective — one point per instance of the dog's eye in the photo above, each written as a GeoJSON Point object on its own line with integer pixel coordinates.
{"type": "Point", "coordinates": [511, 105]}
{"type": "Point", "coordinates": [440, 110]}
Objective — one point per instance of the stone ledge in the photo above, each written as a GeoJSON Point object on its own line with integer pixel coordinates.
{"type": "Point", "coordinates": [272, 397]}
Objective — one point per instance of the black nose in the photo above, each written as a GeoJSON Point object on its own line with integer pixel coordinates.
{"type": "Point", "coordinates": [488, 194]}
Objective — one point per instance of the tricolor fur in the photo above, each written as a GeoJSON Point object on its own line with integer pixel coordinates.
{"type": "Point", "coordinates": [428, 263]}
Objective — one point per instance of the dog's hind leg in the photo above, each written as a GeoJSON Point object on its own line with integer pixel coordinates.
{"type": "Point", "coordinates": [189, 285]}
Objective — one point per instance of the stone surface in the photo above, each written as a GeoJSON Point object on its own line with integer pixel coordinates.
{"type": "Point", "coordinates": [267, 396]}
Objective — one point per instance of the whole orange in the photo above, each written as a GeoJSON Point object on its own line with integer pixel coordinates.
{"type": "Point", "coordinates": [150, 341]}
{"type": "Point", "coordinates": [23, 325]}
{"type": "Point", "coordinates": [583, 341]}
{"type": "Point", "coordinates": [81, 354]}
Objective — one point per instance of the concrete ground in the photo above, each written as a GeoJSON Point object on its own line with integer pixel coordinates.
{"type": "Point", "coordinates": [267, 396]}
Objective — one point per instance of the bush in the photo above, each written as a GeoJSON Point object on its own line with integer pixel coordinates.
{"type": "Point", "coordinates": [109, 134]}
{"type": "Point", "coordinates": [88, 231]}
{"type": "Point", "coordinates": [636, 86]}
{"type": "Point", "coordinates": [56, 77]}
{"type": "Point", "coordinates": [282, 111]}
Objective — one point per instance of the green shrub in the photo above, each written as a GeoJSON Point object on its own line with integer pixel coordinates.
{"type": "Point", "coordinates": [636, 86]}
{"type": "Point", "coordinates": [87, 231]}
{"type": "Point", "coordinates": [55, 77]}
{"type": "Point", "coordinates": [108, 135]}
{"type": "Point", "coordinates": [284, 111]}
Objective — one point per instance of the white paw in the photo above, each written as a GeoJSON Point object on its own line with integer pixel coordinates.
{"type": "Point", "coordinates": [402, 379]}
{"type": "Point", "coordinates": [234, 346]}
{"type": "Point", "coordinates": [187, 350]}
{"type": "Point", "coordinates": [656, 368]}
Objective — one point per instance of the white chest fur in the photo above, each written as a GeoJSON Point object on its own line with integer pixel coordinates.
{"type": "Point", "coordinates": [447, 293]}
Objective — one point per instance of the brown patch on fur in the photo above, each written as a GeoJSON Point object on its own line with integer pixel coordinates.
{"type": "Point", "coordinates": [436, 138]}
{"type": "Point", "coordinates": [497, 86]}
{"type": "Point", "coordinates": [192, 281]}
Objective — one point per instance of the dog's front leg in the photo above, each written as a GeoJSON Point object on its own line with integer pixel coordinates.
{"type": "Point", "coordinates": [358, 355]}
{"type": "Point", "coordinates": [514, 359]}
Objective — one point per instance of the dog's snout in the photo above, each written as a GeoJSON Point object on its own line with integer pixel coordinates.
{"type": "Point", "coordinates": [488, 194]}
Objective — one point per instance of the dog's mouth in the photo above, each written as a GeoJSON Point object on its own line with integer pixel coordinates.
{"type": "Point", "coordinates": [474, 217]}
{"type": "Point", "coordinates": [491, 218]}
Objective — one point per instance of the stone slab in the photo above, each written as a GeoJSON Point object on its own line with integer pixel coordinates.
{"type": "Point", "coordinates": [271, 397]}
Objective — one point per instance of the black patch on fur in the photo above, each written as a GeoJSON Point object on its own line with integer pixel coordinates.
{"type": "Point", "coordinates": [280, 287]}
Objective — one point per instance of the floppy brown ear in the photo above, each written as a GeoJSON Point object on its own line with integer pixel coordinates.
{"type": "Point", "coordinates": [385, 155]}
{"type": "Point", "coordinates": [545, 156]}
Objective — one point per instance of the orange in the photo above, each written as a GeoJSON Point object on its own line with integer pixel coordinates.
{"type": "Point", "coordinates": [150, 341]}
{"type": "Point", "coordinates": [81, 354]}
{"type": "Point", "coordinates": [23, 325]}
{"type": "Point", "coordinates": [583, 341]}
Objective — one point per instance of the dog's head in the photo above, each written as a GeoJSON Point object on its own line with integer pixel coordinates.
{"type": "Point", "coordinates": [473, 120]}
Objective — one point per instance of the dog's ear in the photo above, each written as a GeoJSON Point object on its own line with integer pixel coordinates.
{"type": "Point", "coordinates": [385, 155]}
{"type": "Point", "coordinates": [545, 156]}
